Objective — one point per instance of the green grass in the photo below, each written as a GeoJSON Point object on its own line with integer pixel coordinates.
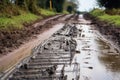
{"type": "Point", "coordinates": [115, 19]}
{"type": "Point", "coordinates": [9, 22]}
{"type": "Point", "coordinates": [47, 12]}
{"type": "Point", "coordinates": [65, 12]}
{"type": "Point", "coordinates": [16, 22]}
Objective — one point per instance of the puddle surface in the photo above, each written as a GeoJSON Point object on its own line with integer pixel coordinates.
{"type": "Point", "coordinates": [98, 59]}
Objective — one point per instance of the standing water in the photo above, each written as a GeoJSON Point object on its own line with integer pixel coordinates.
{"type": "Point", "coordinates": [98, 58]}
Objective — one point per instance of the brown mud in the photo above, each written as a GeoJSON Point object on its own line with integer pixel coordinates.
{"type": "Point", "coordinates": [11, 40]}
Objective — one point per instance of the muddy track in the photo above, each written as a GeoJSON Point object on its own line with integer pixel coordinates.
{"type": "Point", "coordinates": [7, 62]}
{"type": "Point", "coordinates": [12, 40]}
{"type": "Point", "coordinates": [75, 51]}
{"type": "Point", "coordinates": [48, 59]}
{"type": "Point", "coordinates": [110, 31]}
{"type": "Point", "coordinates": [58, 50]}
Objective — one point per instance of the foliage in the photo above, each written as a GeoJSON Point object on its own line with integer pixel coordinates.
{"type": "Point", "coordinates": [97, 12]}
{"type": "Point", "coordinates": [109, 4]}
{"type": "Point", "coordinates": [42, 3]}
{"type": "Point", "coordinates": [70, 9]}
{"type": "Point", "coordinates": [71, 6]}
{"type": "Point", "coordinates": [56, 4]}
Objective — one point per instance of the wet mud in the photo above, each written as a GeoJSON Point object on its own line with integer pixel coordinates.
{"type": "Point", "coordinates": [51, 58]}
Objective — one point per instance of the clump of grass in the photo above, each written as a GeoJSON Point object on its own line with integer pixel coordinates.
{"type": "Point", "coordinates": [47, 12]}
{"type": "Point", "coordinates": [16, 22]}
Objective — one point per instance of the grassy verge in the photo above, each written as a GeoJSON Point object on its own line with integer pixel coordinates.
{"type": "Point", "coordinates": [114, 19]}
{"type": "Point", "coordinates": [16, 22]}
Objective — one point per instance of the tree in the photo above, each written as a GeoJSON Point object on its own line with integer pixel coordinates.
{"type": "Point", "coordinates": [56, 4]}
{"type": "Point", "coordinates": [4, 2]}
{"type": "Point", "coordinates": [109, 4]}
{"type": "Point", "coordinates": [42, 3]}
{"type": "Point", "coordinates": [71, 5]}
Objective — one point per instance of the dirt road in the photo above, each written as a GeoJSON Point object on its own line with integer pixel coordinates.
{"type": "Point", "coordinates": [78, 51]}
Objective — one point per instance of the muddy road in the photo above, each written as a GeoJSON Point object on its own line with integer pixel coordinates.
{"type": "Point", "coordinates": [39, 32]}
{"type": "Point", "coordinates": [77, 51]}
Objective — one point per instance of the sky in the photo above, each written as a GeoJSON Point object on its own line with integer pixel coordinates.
{"type": "Point", "coordinates": [86, 5]}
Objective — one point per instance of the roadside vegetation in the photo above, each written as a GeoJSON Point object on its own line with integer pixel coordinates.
{"type": "Point", "coordinates": [102, 15]}
{"type": "Point", "coordinates": [17, 22]}
{"type": "Point", "coordinates": [111, 13]}
{"type": "Point", "coordinates": [15, 13]}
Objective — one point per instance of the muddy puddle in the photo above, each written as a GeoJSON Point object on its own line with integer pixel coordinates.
{"type": "Point", "coordinates": [76, 52]}
{"type": "Point", "coordinates": [99, 58]}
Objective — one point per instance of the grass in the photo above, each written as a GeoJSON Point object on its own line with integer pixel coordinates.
{"type": "Point", "coordinates": [45, 12]}
{"type": "Point", "coordinates": [16, 22]}
{"type": "Point", "coordinates": [14, 17]}
{"type": "Point", "coordinates": [65, 12]}
{"type": "Point", "coordinates": [115, 19]}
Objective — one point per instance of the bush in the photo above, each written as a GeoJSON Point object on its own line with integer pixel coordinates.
{"type": "Point", "coordinates": [97, 12]}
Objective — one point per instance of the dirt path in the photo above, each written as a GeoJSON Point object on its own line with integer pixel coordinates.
{"type": "Point", "coordinates": [9, 60]}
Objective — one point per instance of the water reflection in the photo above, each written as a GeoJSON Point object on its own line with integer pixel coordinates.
{"type": "Point", "coordinates": [109, 56]}
{"type": "Point", "coordinates": [112, 62]}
